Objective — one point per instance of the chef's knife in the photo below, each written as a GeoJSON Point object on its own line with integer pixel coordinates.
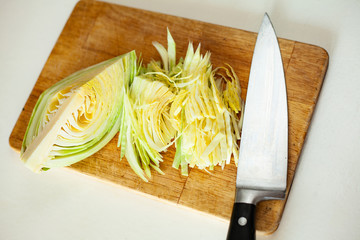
{"type": "Point", "coordinates": [262, 166]}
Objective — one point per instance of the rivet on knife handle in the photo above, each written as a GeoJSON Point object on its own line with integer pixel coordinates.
{"type": "Point", "coordinates": [242, 223]}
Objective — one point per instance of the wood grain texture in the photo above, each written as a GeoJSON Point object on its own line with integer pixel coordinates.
{"type": "Point", "coordinates": [97, 31]}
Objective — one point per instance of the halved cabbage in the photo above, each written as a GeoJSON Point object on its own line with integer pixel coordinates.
{"type": "Point", "coordinates": [77, 116]}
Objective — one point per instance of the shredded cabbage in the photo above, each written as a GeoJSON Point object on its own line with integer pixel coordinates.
{"type": "Point", "coordinates": [146, 128]}
{"type": "Point", "coordinates": [206, 108]}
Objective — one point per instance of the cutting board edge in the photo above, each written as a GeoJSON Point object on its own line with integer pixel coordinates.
{"type": "Point", "coordinates": [139, 192]}
{"type": "Point", "coordinates": [11, 144]}
{"type": "Point", "coordinates": [322, 77]}
{"type": "Point", "coordinates": [158, 199]}
{"type": "Point", "coordinates": [197, 20]}
{"type": "Point", "coordinates": [132, 190]}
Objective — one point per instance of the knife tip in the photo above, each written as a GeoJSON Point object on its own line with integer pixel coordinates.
{"type": "Point", "coordinates": [266, 17]}
{"type": "Point", "coordinates": [266, 24]}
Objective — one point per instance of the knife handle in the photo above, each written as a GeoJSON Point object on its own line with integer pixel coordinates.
{"type": "Point", "coordinates": [242, 222]}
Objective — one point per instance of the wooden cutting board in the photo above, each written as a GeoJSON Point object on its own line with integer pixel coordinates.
{"type": "Point", "coordinates": [97, 31]}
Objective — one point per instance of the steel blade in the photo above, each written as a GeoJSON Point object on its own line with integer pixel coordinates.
{"type": "Point", "coordinates": [264, 140]}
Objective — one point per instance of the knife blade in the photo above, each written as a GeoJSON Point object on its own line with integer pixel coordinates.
{"type": "Point", "coordinates": [263, 155]}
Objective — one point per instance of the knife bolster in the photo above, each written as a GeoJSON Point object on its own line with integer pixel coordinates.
{"type": "Point", "coordinates": [253, 196]}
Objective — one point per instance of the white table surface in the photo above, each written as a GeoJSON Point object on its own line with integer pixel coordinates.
{"type": "Point", "coordinates": [324, 200]}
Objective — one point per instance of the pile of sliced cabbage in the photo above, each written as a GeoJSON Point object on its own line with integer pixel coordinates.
{"type": "Point", "coordinates": [185, 102]}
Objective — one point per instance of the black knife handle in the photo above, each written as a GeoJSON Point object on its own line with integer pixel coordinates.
{"type": "Point", "coordinates": [242, 222]}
